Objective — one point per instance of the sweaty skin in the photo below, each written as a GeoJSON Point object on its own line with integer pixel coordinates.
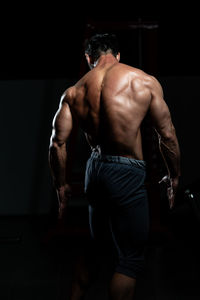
{"type": "Point", "coordinates": [109, 103]}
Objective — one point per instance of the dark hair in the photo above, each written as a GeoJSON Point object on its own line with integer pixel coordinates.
{"type": "Point", "coordinates": [102, 43]}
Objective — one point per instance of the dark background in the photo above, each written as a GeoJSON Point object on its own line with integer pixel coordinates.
{"type": "Point", "coordinates": [46, 41]}
{"type": "Point", "coordinates": [41, 54]}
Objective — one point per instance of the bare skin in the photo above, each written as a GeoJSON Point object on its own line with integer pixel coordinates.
{"type": "Point", "coordinates": [109, 103]}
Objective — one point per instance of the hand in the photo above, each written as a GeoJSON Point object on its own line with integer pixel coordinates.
{"type": "Point", "coordinates": [64, 194]}
{"type": "Point", "coordinates": [172, 185]}
{"type": "Point", "coordinates": [170, 194]}
{"type": "Point", "coordinates": [171, 191]}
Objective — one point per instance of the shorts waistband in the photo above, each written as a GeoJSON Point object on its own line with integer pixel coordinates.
{"type": "Point", "coordinates": [119, 159]}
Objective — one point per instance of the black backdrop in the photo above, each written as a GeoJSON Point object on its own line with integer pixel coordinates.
{"type": "Point", "coordinates": [38, 43]}
{"type": "Point", "coordinates": [41, 55]}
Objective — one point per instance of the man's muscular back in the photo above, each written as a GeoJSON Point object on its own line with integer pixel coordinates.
{"type": "Point", "coordinates": [110, 103]}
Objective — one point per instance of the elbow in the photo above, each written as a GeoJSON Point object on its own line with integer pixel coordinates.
{"type": "Point", "coordinates": [52, 143]}
{"type": "Point", "coordinates": [169, 141]}
{"type": "Point", "coordinates": [167, 137]}
{"type": "Point", "coordinates": [169, 134]}
{"type": "Point", "coordinates": [55, 144]}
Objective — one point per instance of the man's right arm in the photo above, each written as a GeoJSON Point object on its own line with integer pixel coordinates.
{"type": "Point", "coordinates": [168, 141]}
{"type": "Point", "coordinates": [62, 127]}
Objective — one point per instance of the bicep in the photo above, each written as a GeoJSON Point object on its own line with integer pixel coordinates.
{"type": "Point", "coordinates": [62, 124]}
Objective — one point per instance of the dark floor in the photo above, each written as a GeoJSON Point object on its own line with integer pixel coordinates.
{"type": "Point", "coordinates": [36, 259]}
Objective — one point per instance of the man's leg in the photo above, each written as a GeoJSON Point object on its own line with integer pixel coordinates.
{"type": "Point", "coordinates": [129, 226]}
{"type": "Point", "coordinates": [80, 281]}
{"type": "Point", "coordinates": [122, 287]}
{"type": "Point", "coordinates": [85, 271]}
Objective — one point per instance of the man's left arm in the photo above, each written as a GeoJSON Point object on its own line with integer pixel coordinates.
{"type": "Point", "coordinates": [62, 127]}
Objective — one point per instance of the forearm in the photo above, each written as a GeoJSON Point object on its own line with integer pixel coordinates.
{"type": "Point", "coordinates": [57, 162]}
{"type": "Point", "coordinates": [169, 148]}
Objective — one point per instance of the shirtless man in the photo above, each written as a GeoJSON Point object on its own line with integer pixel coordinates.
{"type": "Point", "coordinates": [109, 103]}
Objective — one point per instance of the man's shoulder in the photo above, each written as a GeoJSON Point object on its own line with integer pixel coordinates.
{"type": "Point", "coordinates": [69, 94]}
{"type": "Point", "coordinates": [137, 72]}
{"type": "Point", "coordinates": [146, 79]}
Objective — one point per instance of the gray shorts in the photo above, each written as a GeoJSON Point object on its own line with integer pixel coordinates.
{"type": "Point", "coordinates": [118, 207]}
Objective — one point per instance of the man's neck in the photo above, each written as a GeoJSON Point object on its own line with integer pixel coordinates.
{"type": "Point", "coordinates": [105, 59]}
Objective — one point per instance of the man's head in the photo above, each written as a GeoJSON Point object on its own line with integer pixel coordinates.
{"type": "Point", "coordinates": [101, 44]}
